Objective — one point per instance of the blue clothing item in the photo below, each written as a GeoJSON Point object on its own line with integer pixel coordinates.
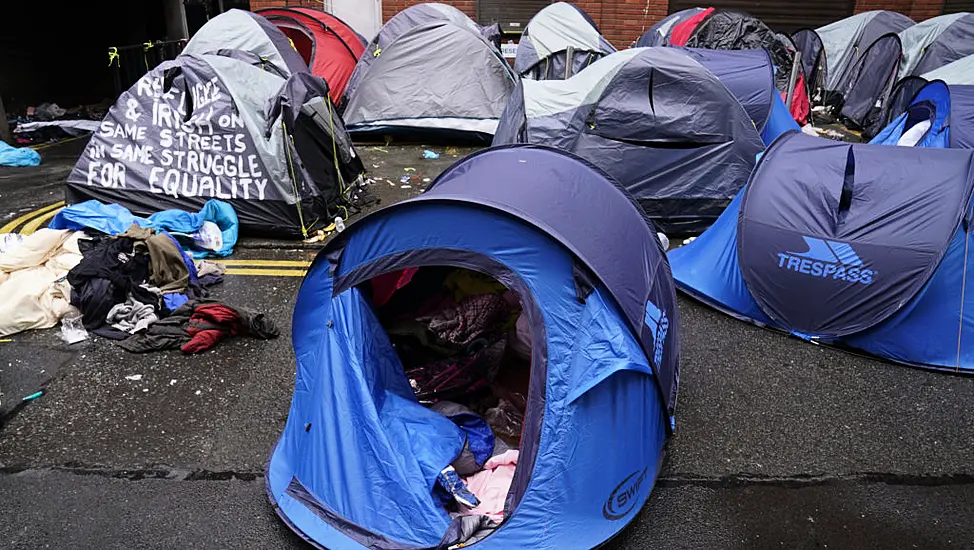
{"type": "Point", "coordinates": [174, 300]}
{"type": "Point", "coordinates": [187, 259]}
{"type": "Point", "coordinates": [13, 156]}
{"type": "Point", "coordinates": [449, 480]}
{"type": "Point", "coordinates": [114, 219]}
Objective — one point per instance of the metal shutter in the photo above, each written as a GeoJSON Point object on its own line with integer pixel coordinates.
{"type": "Point", "coordinates": [513, 15]}
{"type": "Point", "coordinates": [783, 15]}
{"type": "Point", "coordinates": [958, 6]}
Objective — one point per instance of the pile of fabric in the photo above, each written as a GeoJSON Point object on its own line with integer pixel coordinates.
{"type": "Point", "coordinates": [33, 291]}
{"type": "Point", "coordinates": [465, 347]}
{"type": "Point", "coordinates": [143, 289]}
{"type": "Point", "coordinates": [125, 278]}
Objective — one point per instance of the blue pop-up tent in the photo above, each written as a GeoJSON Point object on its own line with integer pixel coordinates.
{"type": "Point", "coordinates": [356, 464]}
{"type": "Point", "coordinates": [857, 245]}
{"type": "Point", "coordinates": [938, 116]}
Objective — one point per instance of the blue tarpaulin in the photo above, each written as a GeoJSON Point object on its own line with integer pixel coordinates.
{"type": "Point", "coordinates": [13, 156]}
{"type": "Point", "coordinates": [114, 219]}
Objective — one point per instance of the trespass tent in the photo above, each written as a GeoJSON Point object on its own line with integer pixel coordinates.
{"type": "Point", "coordinates": [558, 42]}
{"type": "Point", "coordinates": [246, 31]}
{"type": "Point", "coordinates": [357, 463]}
{"type": "Point", "coordinates": [328, 46]}
{"type": "Point", "coordinates": [657, 120]}
{"type": "Point", "coordinates": [857, 245]}
{"type": "Point", "coordinates": [206, 127]}
{"type": "Point", "coordinates": [437, 80]}
{"type": "Point", "coordinates": [933, 43]}
{"type": "Point", "coordinates": [938, 116]}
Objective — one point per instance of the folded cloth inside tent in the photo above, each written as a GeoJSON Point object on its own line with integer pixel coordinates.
{"type": "Point", "coordinates": [33, 292]}
{"type": "Point", "coordinates": [114, 219]}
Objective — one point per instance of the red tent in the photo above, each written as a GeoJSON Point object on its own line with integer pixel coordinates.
{"type": "Point", "coordinates": [329, 46]}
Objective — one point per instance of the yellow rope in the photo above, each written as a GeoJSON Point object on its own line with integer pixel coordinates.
{"type": "Point", "coordinates": [145, 48]}
{"type": "Point", "coordinates": [113, 57]}
{"type": "Point", "coordinates": [334, 150]}
{"type": "Point", "coordinates": [294, 180]}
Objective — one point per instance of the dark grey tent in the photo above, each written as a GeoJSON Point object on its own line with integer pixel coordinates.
{"type": "Point", "coordinates": [844, 42]}
{"type": "Point", "coordinates": [401, 23]}
{"type": "Point", "coordinates": [213, 126]}
{"type": "Point", "coordinates": [558, 42]}
{"type": "Point", "coordinates": [435, 80]}
{"type": "Point", "coordinates": [664, 126]}
{"type": "Point", "coordinates": [936, 42]}
{"type": "Point", "coordinates": [814, 62]}
{"type": "Point", "coordinates": [870, 82]}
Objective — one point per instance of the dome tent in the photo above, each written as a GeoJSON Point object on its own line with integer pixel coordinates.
{"type": "Point", "coordinates": [436, 79]}
{"type": "Point", "coordinates": [732, 30]}
{"type": "Point", "coordinates": [667, 148]}
{"type": "Point", "coordinates": [558, 42]}
{"type": "Point", "coordinates": [353, 466]}
{"type": "Point", "coordinates": [246, 31]}
{"type": "Point", "coordinates": [198, 127]}
{"type": "Point", "coordinates": [845, 41]}
{"type": "Point", "coordinates": [328, 46]}
{"type": "Point", "coordinates": [938, 116]}
{"type": "Point", "coordinates": [401, 23]}
{"type": "Point", "coordinates": [659, 34]}
{"type": "Point", "coordinates": [857, 245]}
{"type": "Point", "coordinates": [870, 82]}
{"type": "Point", "coordinates": [936, 42]}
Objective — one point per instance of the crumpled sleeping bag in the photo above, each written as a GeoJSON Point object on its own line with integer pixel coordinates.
{"type": "Point", "coordinates": [33, 293]}
{"type": "Point", "coordinates": [13, 156]}
{"type": "Point", "coordinates": [114, 219]}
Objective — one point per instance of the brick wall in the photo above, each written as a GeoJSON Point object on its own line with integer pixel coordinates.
{"type": "Point", "coordinates": [918, 10]}
{"type": "Point", "coordinates": [261, 4]}
{"type": "Point", "coordinates": [623, 21]}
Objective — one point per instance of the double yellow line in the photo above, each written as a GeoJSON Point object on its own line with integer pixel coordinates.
{"type": "Point", "coordinates": [34, 220]}
{"type": "Point", "coordinates": [267, 268]}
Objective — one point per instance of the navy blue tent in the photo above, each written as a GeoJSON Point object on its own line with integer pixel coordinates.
{"type": "Point", "coordinates": [870, 81]}
{"type": "Point", "coordinates": [858, 245]}
{"type": "Point", "coordinates": [357, 462]}
{"type": "Point", "coordinates": [938, 116]}
{"type": "Point", "coordinates": [661, 121]}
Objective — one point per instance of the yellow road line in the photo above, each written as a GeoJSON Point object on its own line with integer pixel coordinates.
{"type": "Point", "coordinates": [35, 224]}
{"type": "Point", "coordinates": [266, 263]}
{"type": "Point", "coordinates": [267, 272]}
{"type": "Point", "coordinates": [16, 223]}
{"type": "Point", "coordinates": [46, 145]}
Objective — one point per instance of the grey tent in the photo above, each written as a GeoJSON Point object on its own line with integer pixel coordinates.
{"type": "Point", "coordinates": [868, 89]}
{"type": "Point", "coordinates": [213, 126]}
{"type": "Point", "coordinates": [434, 81]}
{"type": "Point", "coordinates": [247, 32]}
{"type": "Point", "coordinates": [401, 23]}
{"type": "Point", "coordinates": [655, 119]}
{"type": "Point", "coordinates": [558, 42]}
{"type": "Point", "coordinates": [936, 42]}
{"type": "Point", "coordinates": [845, 41]}
{"type": "Point", "coordinates": [956, 73]}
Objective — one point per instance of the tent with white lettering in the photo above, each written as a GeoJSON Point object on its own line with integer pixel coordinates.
{"type": "Point", "coordinates": [214, 126]}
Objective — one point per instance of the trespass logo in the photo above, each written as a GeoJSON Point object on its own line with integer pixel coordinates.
{"type": "Point", "coordinates": [656, 320]}
{"type": "Point", "coordinates": [828, 260]}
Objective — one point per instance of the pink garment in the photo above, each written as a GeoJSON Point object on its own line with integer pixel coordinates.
{"type": "Point", "coordinates": [492, 484]}
{"type": "Point", "coordinates": [385, 285]}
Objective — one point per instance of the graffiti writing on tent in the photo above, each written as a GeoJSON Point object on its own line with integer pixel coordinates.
{"type": "Point", "coordinates": [187, 149]}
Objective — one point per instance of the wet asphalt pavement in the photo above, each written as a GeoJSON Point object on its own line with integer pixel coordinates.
{"type": "Point", "coordinates": [780, 443]}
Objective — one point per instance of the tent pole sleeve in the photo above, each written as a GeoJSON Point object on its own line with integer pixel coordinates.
{"type": "Point", "coordinates": [793, 79]}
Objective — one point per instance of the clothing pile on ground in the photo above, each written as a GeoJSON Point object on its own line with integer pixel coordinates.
{"type": "Point", "coordinates": [465, 347]}
{"type": "Point", "coordinates": [49, 122]}
{"type": "Point", "coordinates": [138, 285]}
